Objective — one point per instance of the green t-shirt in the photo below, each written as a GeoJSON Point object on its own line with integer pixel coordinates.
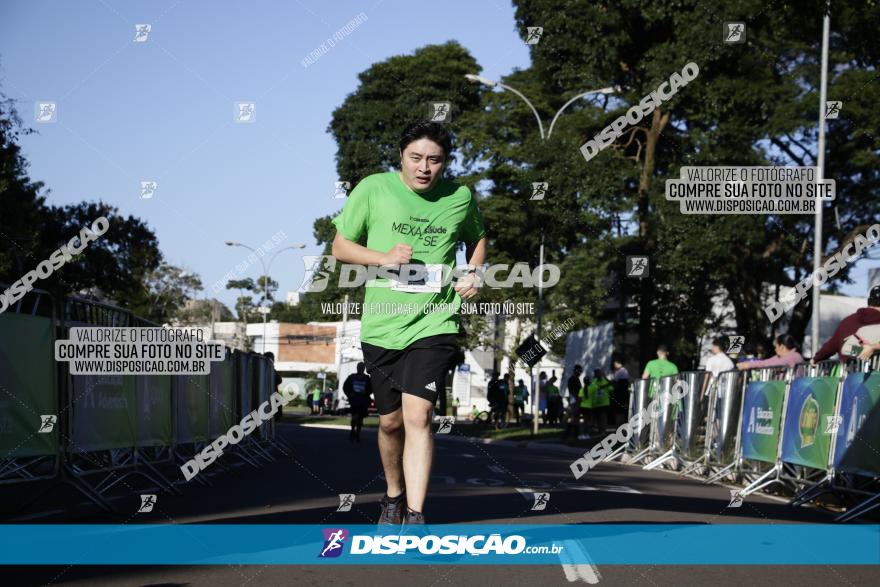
{"type": "Point", "coordinates": [585, 398]}
{"type": "Point", "coordinates": [660, 368]}
{"type": "Point", "coordinates": [433, 223]}
{"type": "Point", "coordinates": [656, 369]}
{"type": "Point", "coordinates": [600, 393]}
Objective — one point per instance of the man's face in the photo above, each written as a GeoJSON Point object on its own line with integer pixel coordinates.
{"type": "Point", "coordinates": [421, 164]}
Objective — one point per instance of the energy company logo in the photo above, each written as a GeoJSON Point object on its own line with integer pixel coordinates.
{"type": "Point", "coordinates": [808, 422]}
{"type": "Point", "coordinates": [334, 541]}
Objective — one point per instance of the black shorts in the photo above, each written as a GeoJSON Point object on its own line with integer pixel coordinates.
{"type": "Point", "coordinates": [419, 369]}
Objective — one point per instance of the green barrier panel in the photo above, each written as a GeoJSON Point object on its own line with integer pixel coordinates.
{"type": "Point", "coordinates": [857, 439]}
{"type": "Point", "coordinates": [762, 405]}
{"type": "Point", "coordinates": [807, 437]}
{"type": "Point", "coordinates": [192, 407]}
{"type": "Point", "coordinates": [104, 412]}
{"type": "Point", "coordinates": [222, 405]}
{"type": "Point", "coordinates": [27, 386]}
{"type": "Point", "coordinates": [154, 425]}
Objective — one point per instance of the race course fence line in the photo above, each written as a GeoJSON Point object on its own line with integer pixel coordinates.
{"type": "Point", "coordinates": [95, 432]}
{"type": "Point", "coordinates": [813, 429]}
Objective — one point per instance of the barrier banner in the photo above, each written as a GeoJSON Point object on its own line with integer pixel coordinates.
{"type": "Point", "coordinates": [662, 425]}
{"type": "Point", "coordinates": [691, 414]}
{"type": "Point", "coordinates": [725, 395]}
{"type": "Point", "coordinates": [857, 442]}
{"type": "Point", "coordinates": [222, 400]}
{"type": "Point", "coordinates": [806, 439]}
{"type": "Point", "coordinates": [762, 407]}
{"type": "Point", "coordinates": [154, 424]}
{"type": "Point", "coordinates": [192, 407]}
{"type": "Point", "coordinates": [27, 386]}
{"type": "Point", "coordinates": [638, 401]}
{"type": "Point", "coordinates": [104, 412]}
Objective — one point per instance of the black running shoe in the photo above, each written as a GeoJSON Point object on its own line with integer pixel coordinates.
{"type": "Point", "coordinates": [413, 518]}
{"type": "Point", "coordinates": [391, 509]}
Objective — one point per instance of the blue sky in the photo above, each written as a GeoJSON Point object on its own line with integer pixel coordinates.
{"type": "Point", "coordinates": [162, 110]}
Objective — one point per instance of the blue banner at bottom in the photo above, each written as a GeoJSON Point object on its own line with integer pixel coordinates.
{"type": "Point", "coordinates": [480, 544]}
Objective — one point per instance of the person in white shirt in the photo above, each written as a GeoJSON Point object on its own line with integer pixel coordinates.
{"type": "Point", "coordinates": [718, 362]}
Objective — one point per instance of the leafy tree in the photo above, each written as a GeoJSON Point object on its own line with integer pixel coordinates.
{"type": "Point", "coordinates": [114, 267]}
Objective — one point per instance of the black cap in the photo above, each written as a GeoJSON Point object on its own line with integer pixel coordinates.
{"type": "Point", "coordinates": [874, 296]}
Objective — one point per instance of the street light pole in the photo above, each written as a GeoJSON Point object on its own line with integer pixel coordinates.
{"type": "Point", "coordinates": [820, 163]}
{"type": "Point", "coordinates": [536, 392]}
{"type": "Point", "coordinates": [264, 311]}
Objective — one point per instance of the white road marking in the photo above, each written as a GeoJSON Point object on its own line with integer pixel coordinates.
{"type": "Point", "coordinates": [578, 572]}
{"type": "Point", "coordinates": [468, 455]}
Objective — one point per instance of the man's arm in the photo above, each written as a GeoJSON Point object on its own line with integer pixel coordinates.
{"type": "Point", "coordinates": [831, 346]}
{"type": "Point", "coordinates": [350, 252]}
{"type": "Point", "coordinates": [467, 286]}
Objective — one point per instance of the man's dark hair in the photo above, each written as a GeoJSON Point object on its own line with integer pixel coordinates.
{"type": "Point", "coordinates": [788, 341]}
{"type": "Point", "coordinates": [424, 129]}
{"type": "Point", "coordinates": [578, 368]}
{"type": "Point", "coordinates": [269, 354]}
{"type": "Point", "coordinates": [874, 296]}
{"type": "Point", "coordinates": [662, 348]}
{"type": "Point", "coordinates": [720, 342]}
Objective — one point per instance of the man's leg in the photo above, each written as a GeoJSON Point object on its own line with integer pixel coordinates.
{"type": "Point", "coordinates": [418, 450]}
{"type": "Point", "coordinates": [391, 450]}
{"type": "Point", "coordinates": [359, 426]}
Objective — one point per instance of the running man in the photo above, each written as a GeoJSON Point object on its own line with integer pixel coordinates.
{"type": "Point", "coordinates": [411, 217]}
{"type": "Point", "coordinates": [358, 389]}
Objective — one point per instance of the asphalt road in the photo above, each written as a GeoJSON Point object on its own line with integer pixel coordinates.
{"type": "Point", "coordinates": [471, 482]}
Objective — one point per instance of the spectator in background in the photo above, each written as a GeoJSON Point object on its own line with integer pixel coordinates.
{"type": "Point", "coordinates": [573, 387]}
{"type": "Point", "coordinates": [496, 393]}
{"type": "Point", "coordinates": [316, 400]}
{"type": "Point", "coordinates": [717, 363]}
{"type": "Point", "coordinates": [455, 403]}
{"type": "Point", "coordinates": [276, 378]}
{"type": "Point", "coordinates": [542, 395]}
{"type": "Point", "coordinates": [554, 401]}
{"type": "Point", "coordinates": [854, 332]}
{"type": "Point", "coordinates": [620, 396]}
{"type": "Point", "coordinates": [659, 367]}
{"type": "Point", "coordinates": [787, 355]}
{"type": "Point", "coordinates": [600, 398]}
{"type": "Point", "coordinates": [520, 395]}
{"type": "Point", "coordinates": [358, 389]}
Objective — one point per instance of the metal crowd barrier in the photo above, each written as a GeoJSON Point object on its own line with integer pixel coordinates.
{"type": "Point", "coordinates": [93, 432]}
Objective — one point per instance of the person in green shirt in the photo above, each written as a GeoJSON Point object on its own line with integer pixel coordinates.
{"type": "Point", "coordinates": [600, 398]}
{"type": "Point", "coordinates": [659, 367]}
{"type": "Point", "coordinates": [585, 408]}
{"type": "Point", "coordinates": [316, 399]}
{"type": "Point", "coordinates": [412, 222]}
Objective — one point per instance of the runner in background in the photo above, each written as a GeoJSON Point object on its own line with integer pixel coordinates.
{"type": "Point", "coordinates": [358, 389]}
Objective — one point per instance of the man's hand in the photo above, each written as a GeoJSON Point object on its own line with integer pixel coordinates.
{"type": "Point", "coordinates": [467, 286]}
{"type": "Point", "coordinates": [399, 254]}
{"type": "Point", "coordinates": [868, 350]}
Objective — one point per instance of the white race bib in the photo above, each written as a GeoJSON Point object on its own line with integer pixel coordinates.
{"type": "Point", "coordinates": [429, 283]}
